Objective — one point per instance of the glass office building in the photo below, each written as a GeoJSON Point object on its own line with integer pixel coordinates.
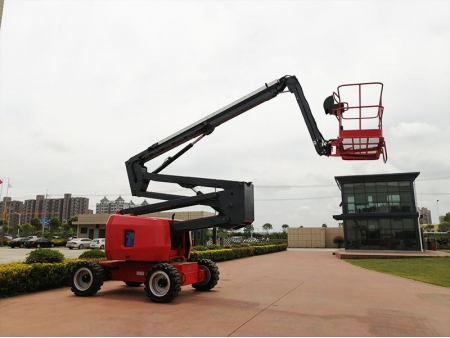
{"type": "Point", "coordinates": [379, 212]}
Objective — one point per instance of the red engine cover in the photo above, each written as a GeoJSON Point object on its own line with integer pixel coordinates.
{"type": "Point", "coordinates": [135, 238]}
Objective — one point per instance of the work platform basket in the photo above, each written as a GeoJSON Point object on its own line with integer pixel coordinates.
{"type": "Point", "coordinates": [359, 109]}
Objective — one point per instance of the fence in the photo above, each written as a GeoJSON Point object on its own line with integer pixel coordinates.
{"type": "Point", "coordinates": [313, 237]}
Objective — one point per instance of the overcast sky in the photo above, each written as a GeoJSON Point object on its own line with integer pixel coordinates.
{"type": "Point", "coordinates": [85, 85]}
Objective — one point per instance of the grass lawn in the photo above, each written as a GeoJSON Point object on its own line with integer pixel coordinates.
{"type": "Point", "coordinates": [429, 270]}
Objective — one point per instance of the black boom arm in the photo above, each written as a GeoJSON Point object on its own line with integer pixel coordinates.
{"type": "Point", "coordinates": [234, 203]}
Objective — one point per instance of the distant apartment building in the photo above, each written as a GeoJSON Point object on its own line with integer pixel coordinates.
{"type": "Point", "coordinates": [18, 212]}
{"type": "Point", "coordinates": [11, 211]}
{"type": "Point", "coordinates": [110, 207]}
{"type": "Point", "coordinates": [425, 216]}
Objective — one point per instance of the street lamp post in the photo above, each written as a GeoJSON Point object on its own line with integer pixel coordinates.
{"type": "Point", "coordinates": [437, 208]}
{"type": "Point", "coordinates": [20, 217]}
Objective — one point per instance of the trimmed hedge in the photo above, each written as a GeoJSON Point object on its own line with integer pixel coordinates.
{"type": "Point", "coordinates": [235, 253]}
{"type": "Point", "coordinates": [19, 277]}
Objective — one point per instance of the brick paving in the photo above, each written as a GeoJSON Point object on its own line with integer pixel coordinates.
{"type": "Point", "coordinates": [293, 293]}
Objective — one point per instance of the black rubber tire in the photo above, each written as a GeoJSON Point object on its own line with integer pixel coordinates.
{"type": "Point", "coordinates": [81, 246]}
{"type": "Point", "coordinates": [133, 284]}
{"type": "Point", "coordinates": [212, 275]}
{"type": "Point", "coordinates": [38, 246]}
{"type": "Point", "coordinates": [163, 283]}
{"type": "Point", "coordinates": [21, 246]}
{"type": "Point", "coordinates": [102, 247]}
{"type": "Point", "coordinates": [86, 279]}
{"type": "Point", "coordinates": [52, 245]}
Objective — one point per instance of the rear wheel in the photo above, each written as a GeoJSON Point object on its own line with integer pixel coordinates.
{"type": "Point", "coordinates": [102, 247]}
{"type": "Point", "coordinates": [163, 283]}
{"type": "Point", "coordinates": [87, 279]}
{"type": "Point", "coordinates": [81, 246]}
{"type": "Point", "coordinates": [211, 275]}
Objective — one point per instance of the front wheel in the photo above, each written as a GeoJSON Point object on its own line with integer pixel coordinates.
{"type": "Point", "coordinates": [163, 283]}
{"type": "Point", "coordinates": [102, 247]}
{"type": "Point", "coordinates": [211, 275]}
{"type": "Point", "coordinates": [87, 279]}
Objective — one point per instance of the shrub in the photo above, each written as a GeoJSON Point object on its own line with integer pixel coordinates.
{"type": "Point", "coordinates": [213, 247]}
{"type": "Point", "coordinates": [59, 241]}
{"type": "Point", "coordinates": [339, 240]}
{"type": "Point", "coordinates": [92, 254]}
{"type": "Point", "coordinates": [44, 256]}
{"type": "Point", "coordinates": [199, 248]}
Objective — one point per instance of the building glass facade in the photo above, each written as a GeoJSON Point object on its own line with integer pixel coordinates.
{"type": "Point", "coordinates": [379, 212]}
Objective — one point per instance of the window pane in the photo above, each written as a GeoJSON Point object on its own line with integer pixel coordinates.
{"type": "Point", "coordinates": [129, 238]}
{"type": "Point", "coordinates": [371, 187]}
{"type": "Point", "coordinates": [404, 186]}
{"type": "Point", "coordinates": [381, 187]}
{"type": "Point", "coordinates": [405, 196]}
{"type": "Point", "coordinates": [392, 186]}
{"type": "Point", "coordinates": [359, 187]}
{"type": "Point", "coordinates": [347, 187]}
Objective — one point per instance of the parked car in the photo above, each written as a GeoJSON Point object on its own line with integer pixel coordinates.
{"type": "Point", "coordinates": [97, 243]}
{"type": "Point", "coordinates": [80, 243]}
{"type": "Point", "coordinates": [8, 237]}
{"type": "Point", "coordinates": [17, 242]}
{"type": "Point", "coordinates": [39, 243]}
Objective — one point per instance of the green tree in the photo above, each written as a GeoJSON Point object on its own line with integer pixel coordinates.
{"type": "Point", "coordinates": [285, 227]}
{"type": "Point", "coordinates": [53, 225]}
{"type": "Point", "coordinates": [36, 223]}
{"type": "Point", "coordinates": [27, 230]}
{"type": "Point", "coordinates": [324, 225]}
{"type": "Point", "coordinates": [447, 217]}
{"type": "Point", "coordinates": [428, 227]}
{"type": "Point", "coordinates": [267, 227]}
{"type": "Point", "coordinates": [444, 227]}
{"type": "Point", "coordinates": [71, 220]}
{"type": "Point", "coordinates": [3, 226]}
{"type": "Point", "coordinates": [248, 229]}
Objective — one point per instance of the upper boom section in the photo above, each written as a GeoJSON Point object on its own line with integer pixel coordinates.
{"type": "Point", "coordinates": [135, 165]}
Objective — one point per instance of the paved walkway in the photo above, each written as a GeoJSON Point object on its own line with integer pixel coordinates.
{"type": "Point", "coordinates": [292, 293]}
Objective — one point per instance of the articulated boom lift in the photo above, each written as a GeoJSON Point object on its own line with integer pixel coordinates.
{"type": "Point", "coordinates": [154, 251]}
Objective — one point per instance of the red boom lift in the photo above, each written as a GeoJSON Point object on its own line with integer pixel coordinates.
{"type": "Point", "coordinates": [154, 252]}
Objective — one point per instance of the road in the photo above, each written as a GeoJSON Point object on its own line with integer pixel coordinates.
{"type": "Point", "coordinates": [8, 255]}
